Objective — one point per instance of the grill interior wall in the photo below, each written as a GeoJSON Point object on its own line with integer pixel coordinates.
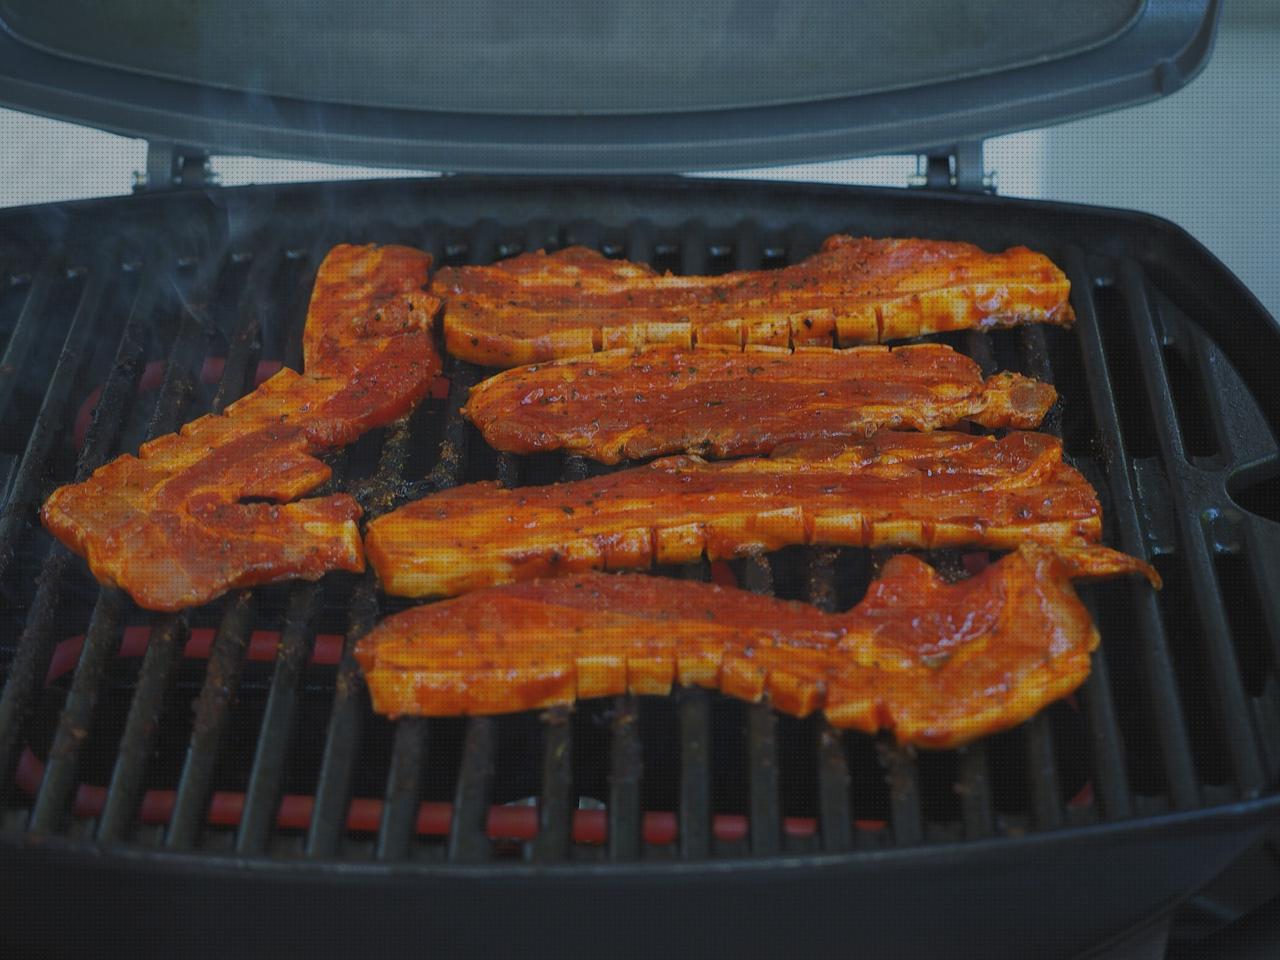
{"type": "Point", "coordinates": [260, 751]}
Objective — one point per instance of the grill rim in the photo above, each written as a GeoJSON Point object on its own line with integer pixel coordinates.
{"type": "Point", "coordinates": [1243, 817]}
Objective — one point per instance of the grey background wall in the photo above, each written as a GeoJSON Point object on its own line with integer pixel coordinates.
{"type": "Point", "coordinates": [1207, 158]}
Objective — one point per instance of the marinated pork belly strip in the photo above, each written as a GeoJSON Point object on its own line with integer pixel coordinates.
{"type": "Point", "coordinates": [169, 525]}
{"type": "Point", "coordinates": [893, 489]}
{"type": "Point", "coordinates": [938, 664]}
{"type": "Point", "coordinates": [540, 306]}
{"type": "Point", "coordinates": [623, 404]}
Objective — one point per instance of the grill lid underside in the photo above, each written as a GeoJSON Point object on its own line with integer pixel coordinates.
{"type": "Point", "coordinates": [555, 87]}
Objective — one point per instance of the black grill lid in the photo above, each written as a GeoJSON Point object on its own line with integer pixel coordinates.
{"type": "Point", "coordinates": [550, 86]}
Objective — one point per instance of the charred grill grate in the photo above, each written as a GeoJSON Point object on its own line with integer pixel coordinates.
{"type": "Point", "coordinates": [243, 727]}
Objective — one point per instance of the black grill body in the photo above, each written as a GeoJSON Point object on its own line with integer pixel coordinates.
{"type": "Point", "coordinates": [199, 782]}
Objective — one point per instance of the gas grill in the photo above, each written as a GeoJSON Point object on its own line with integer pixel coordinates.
{"type": "Point", "coordinates": [193, 782]}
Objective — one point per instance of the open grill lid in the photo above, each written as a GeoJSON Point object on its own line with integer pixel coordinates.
{"type": "Point", "coordinates": [560, 87]}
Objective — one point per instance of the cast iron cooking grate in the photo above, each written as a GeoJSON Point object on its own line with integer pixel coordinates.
{"type": "Point", "coordinates": [244, 726]}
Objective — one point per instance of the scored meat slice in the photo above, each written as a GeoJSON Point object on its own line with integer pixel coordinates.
{"type": "Point", "coordinates": [893, 489]}
{"type": "Point", "coordinates": [938, 664]}
{"type": "Point", "coordinates": [171, 525]}
{"type": "Point", "coordinates": [540, 306]}
{"type": "Point", "coordinates": [625, 404]}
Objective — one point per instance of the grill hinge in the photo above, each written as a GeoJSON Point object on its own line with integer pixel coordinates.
{"type": "Point", "coordinates": [172, 166]}
{"type": "Point", "coordinates": [957, 167]}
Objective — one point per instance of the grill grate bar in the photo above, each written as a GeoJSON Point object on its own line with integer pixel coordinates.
{"type": "Point", "coordinates": [350, 701]}
{"type": "Point", "coordinates": [1266, 712]}
{"type": "Point", "coordinates": [833, 790]}
{"type": "Point", "coordinates": [346, 718]}
{"type": "Point", "coordinates": [640, 245]}
{"type": "Point", "coordinates": [1041, 763]}
{"type": "Point", "coordinates": [1033, 357]}
{"type": "Point", "coordinates": [762, 751]}
{"type": "Point", "coordinates": [978, 346]}
{"type": "Point", "coordinates": [757, 575]}
{"type": "Point", "coordinates": [626, 767]}
{"type": "Point", "coordinates": [404, 783]}
{"type": "Point", "coordinates": [222, 678]}
{"type": "Point", "coordinates": [1234, 716]}
{"type": "Point", "coordinates": [802, 241]}
{"type": "Point", "coordinates": [231, 645]}
{"type": "Point", "coordinates": [447, 471]}
{"type": "Point", "coordinates": [403, 780]}
{"type": "Point", "coordinates": [555, 803]}
{"type": "Point", "coordinates": [1109, 776]}
{"type": "Point", "coordinates": [300, 298]}
{"type": "Point", "coordinates": [179, 384]}
{"type": "Point", "coordinates": [820, 586]}
{"type": "Point", "coordinates": [468, 834]}
{"type": "Point", "coordinates": [346, 721]}
{"type": "Point", "coordinates": [974, 787]}
{"type": "Point", "coordinates": [262, 795]}
{"type": "Point", "coordinates": [575, 468]}
{"type": "Point", "coordinates": [748, 253]}
{"type": "Point", "coordinates": [695, 703]}
{"type": "Point", "coordinates": [75, 719]}
{"type": "Point", "coordinates": [834, 820]}
{"type": "Point", "coordinates": [35, 647]}
{"type": "Point", "coordinates": [903, 776]}
{"type": "Point", "coordinates": [73, 723]}
{"type": "Point", "coordinates": [468, 841]}
{"type": "Point", "coordinates": [762, 742]}
{"type": "Point", "coordinates": [468, 837]}
{"type": "Point", "coordinates": [695, 773]}
{"type": "Point", "coordinates": [33, 326]}
{"type": "Point", "coordinates": [245, 346]}
{"type": "Point", "coordinates": [1166, 705]}
{"type": "Point", "coordinates": [1148, 335]}
{"type": "Point", "coordinates": [1046, 800]}
{"type": "Point", "coordinates": [507, 470]}
{"type": "Point", "coordinates": [20, 507]}
{"type": "Point", "coordinates": [538, 234]}
{"type": "Point", "coordinates": [901, 771]}
{"type": "Point", "coordinates": [693, 249]}
{"type": "Point", "coordinates": [626, 759]}
{"type": "Point", "coordinates": [694, 712]}
{"type": "Point", "coordinates": [31, 661]}
{"type": "Point", "coordinates": [973, 774]}
{"type": "Point", "coordinates": [176, 392]}
{"type": "Point", "coordinates": [140, 729]}
{"type": "Point", "coordinates": [1264, 559]}
{"type": "Point", "coordinates": [583, 233]}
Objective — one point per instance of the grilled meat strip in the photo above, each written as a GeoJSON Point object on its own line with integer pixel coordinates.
{"type": "Point", "coordinates": [540, 306]}
{"type": "Point", "coordinates": [170, 526]}
{"type": "Point", "coordinates": [725, 402]}
{"type": "Point", "coordinates": [893, 489]}
{"type": "Point", "coordinates": [938, 664]}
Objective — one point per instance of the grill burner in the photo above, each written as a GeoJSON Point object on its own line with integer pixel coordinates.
{"type": "Point", "coordinates": [242, 729]}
